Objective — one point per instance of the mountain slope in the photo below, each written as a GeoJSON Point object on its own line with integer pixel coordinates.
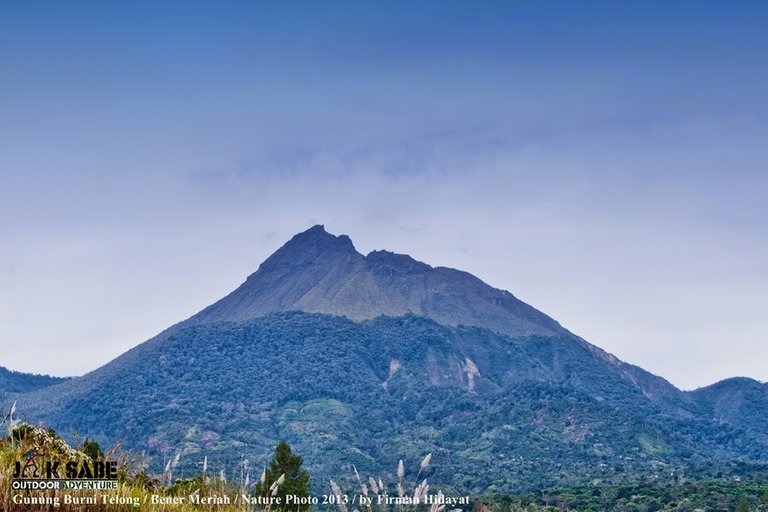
{"type": "Point", "coordinates": [368, 359]}
{"type": "Point", "coordinates": [368, 394]}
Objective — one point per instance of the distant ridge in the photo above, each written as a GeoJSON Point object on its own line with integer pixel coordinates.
{"type": "Point", "coordinates": [18, 382]}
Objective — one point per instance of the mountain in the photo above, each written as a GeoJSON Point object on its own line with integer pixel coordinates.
{"type": "Point", "coordinates": [365, 360]}
{"type": "Point", "coordinates": [738, 401]}
{"type": "Point", "coordinates": [12, 382]}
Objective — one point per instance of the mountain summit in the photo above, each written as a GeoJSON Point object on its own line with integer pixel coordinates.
{"type": "Point", "coordinates": [365, 360]}
{"type": "Point", "coordinates": [318, 272]}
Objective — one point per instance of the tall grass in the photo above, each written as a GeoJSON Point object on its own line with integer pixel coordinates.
{"type": "Point", "coordinates": [139, 490]}
{"type": "Point", "coordinates": [135, 491]}
{"type": "Point", "coordinates": [375, 496]}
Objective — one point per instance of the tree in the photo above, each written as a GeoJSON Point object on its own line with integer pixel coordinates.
{"type": "Point", "coordinates": [91, 448]}
{"type": "Point", "coordinates": [744, 504]}
{"type": "Point", "coordinates": [295, 480]}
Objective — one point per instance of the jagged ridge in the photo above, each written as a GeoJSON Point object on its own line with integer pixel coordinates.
{"type": "Point", "coordinates": [321, 273]}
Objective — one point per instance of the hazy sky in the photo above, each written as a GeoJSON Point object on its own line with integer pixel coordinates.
{"type": "Point", "coordinates": [606, 162]}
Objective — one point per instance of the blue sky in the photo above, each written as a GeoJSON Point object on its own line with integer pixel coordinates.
{"type": "Point", "coordinates": [604, 161]}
